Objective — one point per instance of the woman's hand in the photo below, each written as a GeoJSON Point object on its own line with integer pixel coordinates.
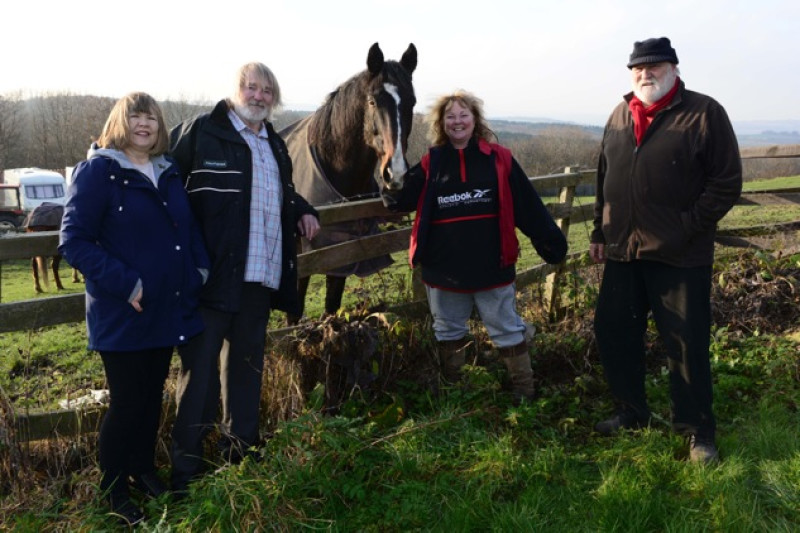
{"type": "Point", "coordinates": [137, 301]}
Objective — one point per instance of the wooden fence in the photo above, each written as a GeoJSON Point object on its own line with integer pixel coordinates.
{"type": "Point", "coordinates": [36, 313]}
{"type": "Point", "coordinates": [31, 314]}
{"type": "Point", "coordinates": [40, 312]}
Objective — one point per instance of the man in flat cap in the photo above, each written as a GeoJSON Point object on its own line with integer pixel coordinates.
{"type": "Point", "coordinates": [669, 170]}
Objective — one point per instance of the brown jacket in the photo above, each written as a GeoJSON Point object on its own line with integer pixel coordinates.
{"type": "Point", "coordinates": [662, 200]}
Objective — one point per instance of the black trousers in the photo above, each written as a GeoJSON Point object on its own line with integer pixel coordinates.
{"type": "Point", "coordinates": [129, 430]}
{"type": "Point", "coordinates": [680, 302]}
{"type": "Point", "coordinates": [227, 358]}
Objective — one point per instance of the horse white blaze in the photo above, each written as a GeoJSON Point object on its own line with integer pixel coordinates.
{"type": "Point", "coordinates": [398, 163]}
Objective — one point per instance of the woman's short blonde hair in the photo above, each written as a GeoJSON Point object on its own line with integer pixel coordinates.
{"type": "Point", "coordinates": [435, 118]}
{"type": "Point", "coordinates": [117, 133]}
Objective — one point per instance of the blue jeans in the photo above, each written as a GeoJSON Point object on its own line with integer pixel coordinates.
{"type": "Point", "coordinates": [497, 308]}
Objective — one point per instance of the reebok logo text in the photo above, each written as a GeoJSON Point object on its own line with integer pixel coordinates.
{"type": "Point", "coordinates": [465, 197]}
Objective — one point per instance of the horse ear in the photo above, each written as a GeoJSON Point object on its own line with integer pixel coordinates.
{"type": "Point", "coordinates": [375, 60]}
{"type": "Point", "coordinates": [409, 59]}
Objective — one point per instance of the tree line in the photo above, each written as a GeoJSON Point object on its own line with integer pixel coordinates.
{"type": "Point", "coordinates": [54, 130]}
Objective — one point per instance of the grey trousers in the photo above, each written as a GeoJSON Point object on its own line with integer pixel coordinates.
{"type": "Point", "coordinates": [497, 308]}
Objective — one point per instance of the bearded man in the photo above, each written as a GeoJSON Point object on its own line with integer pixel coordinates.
{"type": "Point", "coordinates": [669, 170]}
{"type": "Point", "coordinates": [238, 173]}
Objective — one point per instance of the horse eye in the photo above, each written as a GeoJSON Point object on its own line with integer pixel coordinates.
{"type": "Point", "coordinates": [371, 102]}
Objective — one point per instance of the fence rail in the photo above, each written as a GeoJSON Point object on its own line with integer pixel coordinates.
{"type": "Point", "coordinates": [36, 313]}
{"type": "Point", "coordinates": [30, 314]}
{"type": "Point", "coordinates": [770, 152]}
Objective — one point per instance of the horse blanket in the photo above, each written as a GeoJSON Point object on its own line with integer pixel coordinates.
{"type": "Point", "coordinates": [46, 214]}
{"type": "Point", "coordinates": [312, 184]}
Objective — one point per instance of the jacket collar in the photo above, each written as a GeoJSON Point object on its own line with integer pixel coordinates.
{"type": "Point", "coordinates": [484, 146]}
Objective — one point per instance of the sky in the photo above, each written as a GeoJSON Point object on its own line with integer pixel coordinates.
{"type": "Point", "coordinates": [554, 59]}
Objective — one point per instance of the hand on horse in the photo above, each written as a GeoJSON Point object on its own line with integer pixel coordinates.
{"type": "Point", "coordinates": [308, 226]}
{"type": "Point", "coordinates": [136, 302]}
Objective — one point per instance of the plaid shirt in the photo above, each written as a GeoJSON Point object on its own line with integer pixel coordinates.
{"type": "Point", "coordinates": [264, 251]}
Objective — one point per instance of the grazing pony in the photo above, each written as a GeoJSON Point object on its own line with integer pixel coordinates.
{"type": "Point", "coordinates": [354, 141]}
{"type": "Point", "coordinates": [45, 217]}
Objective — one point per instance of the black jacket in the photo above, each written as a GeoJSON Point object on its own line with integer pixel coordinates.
{"type": "Point", "coordinates": [465, 253]}
{"type": "Point", "coordinates": [661, 201]}
{"type": "Point", "coordinates": [216, 164]}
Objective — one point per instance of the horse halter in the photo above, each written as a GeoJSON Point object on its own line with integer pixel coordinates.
{"type": "Point", "coordinates": [384, 132]}
{"type": "Point", "coordinates": [386, 127]}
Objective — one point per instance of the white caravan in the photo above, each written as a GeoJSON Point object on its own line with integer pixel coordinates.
{"type": "Point", "coordinates": [37, 186]}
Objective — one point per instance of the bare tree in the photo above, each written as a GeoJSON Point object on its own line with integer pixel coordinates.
{"type": "Point", "coordinates": [177, 111]}
{"type": "Point", "coordinates": [10, 127]}
{"type": "Point", "coordinates": [61, 126]}
{"type": "Point", "coordinates": [93, 115]}
{"type": "Point", "coordinates": [554, 148]}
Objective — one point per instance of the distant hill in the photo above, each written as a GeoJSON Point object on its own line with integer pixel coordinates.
{"type": "Point", "coordinates": [517, 128]}
{"type": "Point", "coordinates": [757, 127]}
{"type": "Point", "coordinates": [767, 132]}
{"type": "Point", "coordinates": [748, 133]}
{"type": "Point", "coordinates": [769, 138]}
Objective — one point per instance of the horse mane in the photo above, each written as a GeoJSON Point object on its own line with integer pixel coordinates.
{"type": "Point", "coordinates": [332, 127]}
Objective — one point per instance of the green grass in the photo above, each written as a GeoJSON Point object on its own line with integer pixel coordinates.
{"type": "Point", "coordinates": [16, 282]}
{"type": "Point", "coordinates": [469, 461]}
{"type": "Point", "coordinates": [783, 182]}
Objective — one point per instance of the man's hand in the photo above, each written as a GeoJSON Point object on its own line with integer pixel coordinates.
{"type": "Point", "coordinates": [597, 251]}
{"type": "Point", "coordinates": [308, 226]}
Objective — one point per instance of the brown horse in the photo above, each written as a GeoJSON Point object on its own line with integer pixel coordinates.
{"type": "Point", "coordinates": [46, 217]}
{"type": "Point", "coordinates": [354, 141]}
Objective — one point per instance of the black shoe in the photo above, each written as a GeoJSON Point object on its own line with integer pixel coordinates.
{"type": "Point", "coordinates": [122, 506]}
{"type": "Point", "coordinates": [621, 420]}
{"type": "Point", "coordinates": [702, 450]}
{"type": "Point", "coordinates": [149, 484]}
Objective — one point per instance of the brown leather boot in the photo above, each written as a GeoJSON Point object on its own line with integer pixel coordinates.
{"type": "Point", "coordinates": [518, 362]}
{"type": "Point", "coordinates": [452, 356]}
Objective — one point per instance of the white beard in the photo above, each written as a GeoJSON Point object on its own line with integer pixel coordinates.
{"type": "Point", "coordinates": [650, 94]}
{"type": "Point", "coordinates": [251, 113]}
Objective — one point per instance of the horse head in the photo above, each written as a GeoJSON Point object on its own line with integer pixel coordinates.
{"type": "Point", "coordinates": [357, 137]}
{"type": "Point", "coordinates": [389, 113]}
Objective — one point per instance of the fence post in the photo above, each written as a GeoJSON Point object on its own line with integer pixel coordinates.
{"type": "Point", "coordinates": [417, 287]}
{"type": "Point", "coordinates": [566, 197]}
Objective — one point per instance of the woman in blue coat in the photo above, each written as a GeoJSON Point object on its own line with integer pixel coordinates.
{"type": "Point", "coordinates": [128, 228]}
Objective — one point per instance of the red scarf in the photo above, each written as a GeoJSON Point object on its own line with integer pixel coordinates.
{"type": "Point", "coordinates": [642, 116]}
